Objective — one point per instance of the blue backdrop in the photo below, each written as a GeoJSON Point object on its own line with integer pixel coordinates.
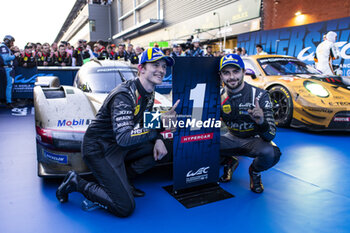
{"type": "Point", "coordinates": [301, 41]}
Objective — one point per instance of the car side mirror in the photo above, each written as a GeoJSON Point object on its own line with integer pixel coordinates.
{"type": "Point", "coordinates": [251, 73]}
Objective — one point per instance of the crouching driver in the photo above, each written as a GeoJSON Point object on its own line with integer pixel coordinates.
{"type": "Point", "coordinates": [247, 112]}
{"type": "Point", "coordinates": [115, 148]}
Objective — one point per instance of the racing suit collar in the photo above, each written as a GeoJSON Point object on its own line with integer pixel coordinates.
{"type": "Point", "coordinates": [141, 89]}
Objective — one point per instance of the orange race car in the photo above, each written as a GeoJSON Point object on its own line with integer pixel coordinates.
{"type": "Point", "coordinates": [302, 96]}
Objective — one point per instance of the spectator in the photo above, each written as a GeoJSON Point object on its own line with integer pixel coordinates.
{"type": "Point", "coordinates": [96, 50]}
{"type": "Point", "coordinates": [259, 50]}
{"type": "Point", "coordinates": [196, 51]}
{"type": "Point", "coordinates": [239, 51]}
{"type": "Point", "coordinates": [28, 59]}
{"type": "Point", "coordinates": [62, 58]}
{"type": "Point", "coordinates": [80, 53]}
{"type": "Point", "coordinates": [120, 54]}
{"type": "Point", "coordinates": [244, 52]}
{"type": "Point", "coordinates": [38, 48]}
{"type": "Point", "coordinates": [54, 47]}
{"type": "Point", "coordinates": [167, 51]}
{"type": "Point", "coordinates": [131, 55]}
{"type": "Point", "coordinates": [209, 51]}
{"type": "Point", "coordinates": [110, 52]}
{"type": "Point", "coordinates": [69, 49]}
{"type": "Point", "coordinates": [176, 51]}
{"type": "Point", "coordinates": [45, 58]}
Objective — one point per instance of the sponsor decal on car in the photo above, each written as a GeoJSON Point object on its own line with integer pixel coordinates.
{"type": "Point", "coordinates": [74, 122]}
{"type": "Point", "coordinates": [63, 159]}
{"type": "Point", "coordinates": [342, 119]}
{"type": "Point", "coordinates": [339, 103]}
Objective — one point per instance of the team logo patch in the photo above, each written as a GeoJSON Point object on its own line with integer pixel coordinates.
{"type": "Point", "coordinates": [137, 109]}
{"type": "Point", "coordinates": [226, 108]}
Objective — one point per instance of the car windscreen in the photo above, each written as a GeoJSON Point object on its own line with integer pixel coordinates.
{"type": "Point", "coordinates": [285, 66]}
{"type": "Point", "coordinates": [103, 80]}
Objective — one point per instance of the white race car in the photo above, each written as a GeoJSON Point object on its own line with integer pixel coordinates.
{"type": "Point", "coordinates": [63, 113]}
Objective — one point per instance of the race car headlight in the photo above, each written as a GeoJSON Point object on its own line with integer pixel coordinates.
{"type": "Point", "coordinates": [316, 89]}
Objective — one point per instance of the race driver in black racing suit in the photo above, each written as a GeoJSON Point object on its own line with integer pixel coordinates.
{"type": "Point", "coordinates": [115, 148]}
{"type": "Point", "coordinates": [247, 112]}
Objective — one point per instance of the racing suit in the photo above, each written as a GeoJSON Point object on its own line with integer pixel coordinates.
{"type": "Point", "coordinates": [8, 58]}
{"type": "Point", "coordinates": [80, 55]}
{"type": "Point", "coordinates": [244, 136]}
{"type": "Point", "coordinates": [115, 148]}
{"type": "Point", "coordinates": [132, 57]}
{"type": "Point", "coordinates": [65, 58]}
{"type": "Point", "coordinates": [28, 59]}
{"type": "Point", "coordinates": [325, 53]}
{"type": "Point", "coordinates": [44, 57]}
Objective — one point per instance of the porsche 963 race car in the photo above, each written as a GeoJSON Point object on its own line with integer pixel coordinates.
{"type": "Point", "coordinates": [63, 113]}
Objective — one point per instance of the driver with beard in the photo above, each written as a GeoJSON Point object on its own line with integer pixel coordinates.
{"type": "Point", "coordinates": [247, 112]}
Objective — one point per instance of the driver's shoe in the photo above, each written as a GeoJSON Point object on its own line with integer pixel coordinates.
{"type": "Point", "coordinates": [69, 184]}
{"type": "Point", "coordinates": [229, 167]}
{"type": "Point", "coordinates": [255, 181]}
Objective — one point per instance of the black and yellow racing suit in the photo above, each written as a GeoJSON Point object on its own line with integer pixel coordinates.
{"type": "Point", "coordinates": [245, 136]}
{"type": "Point", "coordinates": [115, 147]}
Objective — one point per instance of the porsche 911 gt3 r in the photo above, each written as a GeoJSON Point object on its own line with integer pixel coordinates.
{"type": "Point", "coordinates": [63, 113]}
{"type": "Point", "coordinates": [302, 97]}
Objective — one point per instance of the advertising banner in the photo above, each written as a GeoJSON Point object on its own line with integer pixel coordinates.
{"type": "Point", "coordinates": [197, 139]}
{"type": "Point", "coordinates": [24, 79]}
{"type": "Point", "coordinates": [23, 83]}
{"type": "Point", "coordinates": [301, 41]}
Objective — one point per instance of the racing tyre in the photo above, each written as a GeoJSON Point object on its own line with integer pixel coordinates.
{"type": "Point", "coordinates": [282, 105]}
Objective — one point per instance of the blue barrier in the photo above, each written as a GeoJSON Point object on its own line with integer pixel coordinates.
{"type": "Point", "coordinates": [24, 79]}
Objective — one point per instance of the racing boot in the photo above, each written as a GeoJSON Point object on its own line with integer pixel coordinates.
{"type": "Point", "coordinates": [255, 181]}
{"type": "Point", "coordinates": [137, 192]}
{"type": "Point", "coordinates": [229, 167]}
{"type": "Point", "coordinates": [69, 184]}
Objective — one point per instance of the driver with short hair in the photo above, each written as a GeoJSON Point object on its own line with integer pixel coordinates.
{"type": "Point", "coordinates": [247, 112]}
{"type": "Point", "coordinates": [116, 147]}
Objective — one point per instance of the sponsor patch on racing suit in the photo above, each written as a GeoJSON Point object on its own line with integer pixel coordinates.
{"type": "Point", "coordinates": [121, 114]}
{"type": "Point", "coordinates": [234, 113]}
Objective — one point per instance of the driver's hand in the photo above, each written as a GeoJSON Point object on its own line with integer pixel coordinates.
{"type": "Point", "coordinates": [159, 150]}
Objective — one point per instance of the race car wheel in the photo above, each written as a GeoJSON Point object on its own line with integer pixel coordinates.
{"type": "Point", "coordinates": [282, 105]}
